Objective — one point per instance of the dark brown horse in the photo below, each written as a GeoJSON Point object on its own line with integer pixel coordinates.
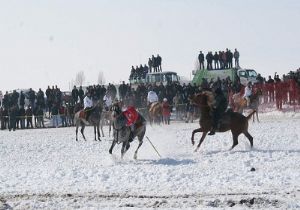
{"type": "Point", "coordinates": [233, 121]}
{"type": "Point", "coordinates": [155, 113]}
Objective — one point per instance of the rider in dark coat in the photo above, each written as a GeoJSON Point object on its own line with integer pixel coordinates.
{"type": "Point", "coordinates": [219, 108]}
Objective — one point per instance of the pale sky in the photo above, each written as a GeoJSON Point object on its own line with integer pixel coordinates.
{"type": "Point", "coordinates": [47, 42]}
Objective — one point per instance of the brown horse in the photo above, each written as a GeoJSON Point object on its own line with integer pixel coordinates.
{"type": "Point", "coordinates": [233, 121]}
{"type": "Point", "coordinates": [155, 113]}
{"type": "Point", "coordinates": [240, 103]}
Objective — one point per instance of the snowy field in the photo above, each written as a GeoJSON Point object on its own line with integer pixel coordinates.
{"type": "Point", "coordinates": [48, 169]}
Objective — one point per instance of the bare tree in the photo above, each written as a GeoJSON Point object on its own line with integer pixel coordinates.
{"type": "Point", "coordinates": [80, 78]}
{"type": "Point", "coordinates": [101, 78]}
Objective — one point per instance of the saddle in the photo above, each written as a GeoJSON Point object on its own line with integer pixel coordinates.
{"type": "Point", "coordinates": [82, 114]}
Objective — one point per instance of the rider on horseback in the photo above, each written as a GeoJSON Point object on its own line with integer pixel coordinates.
{"type": "Point", "coordinates": [152, 97]}
{"type": "Point", "coordinates": [88, 105]}
{"type": "Point", "coordinates": [219, 108]}
{"type": "Point", "coordinates": [107, 101]}
{"type": "Point", "coordinates": [248, 93]}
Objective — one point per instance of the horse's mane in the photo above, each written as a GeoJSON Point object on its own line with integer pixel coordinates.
{"type": "Point", "coordinates": [210, 98]}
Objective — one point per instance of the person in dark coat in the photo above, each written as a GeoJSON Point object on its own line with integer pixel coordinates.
{"type": "Point", "coordinates": [216, 60]}
{"type": "Point", "coordinates": [201, 60]}
{"type": "Point", "coordinates": [81, 94]}
{"type": "Point", "coordinates": [236, 56]}
{"type": "Point", "coordinates": [29, 114]}
{"type": "Point", "coordinates": [219, 108]}
{"type": "Point", "coordinates": [75, 95]}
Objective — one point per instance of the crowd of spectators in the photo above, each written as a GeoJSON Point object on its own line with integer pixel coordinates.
{"type": "Point", "coordinates": [219, 60]}
{"type": "Point", "coordinates": [20, 107]}
{"type": "Point", "coordinates": [139, 72]}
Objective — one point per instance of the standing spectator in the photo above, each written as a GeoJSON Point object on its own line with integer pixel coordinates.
{"type": "Point", "coordinates": [29, 117]}
{"type": "Point", "coordinates": [54, 113]}
{"type": "Point", "coordinates": [49, 100]}
{"type": "Point", "coordinates": [216, 60]}
{"type": "Point", "coordinates": [166, 111]}
{"type": "Point", "coordinates": [40, 98]}
{"type": "Point", "coordinates": [62, 115]}
{"type": "Point", "coordinates": [13, 112]}
{"type": "Point", "coordinates": [31, 96]}
{"type": "Point", "coordinates": [150, 64]}
{"type": "Point", "coordinates": [190, 110]}
{"type": "Point", "coordinates": [201, 60]}
{"type": "Point", "coordinates": [270, 88]}
{"type": "Point", "coordinates": [230, 57]}
{"type": "Point", "coordinates": [80, 94]}
{"type": "Point", "coordinates": [122, 90]}
{"type": "Point", "coordinates": [75, 94]}
{"type": "Point", "coordinates": [22, 114]}
{"type": "Point", "coordinates": [159, 60]}
{"type": "Point", "coordinates": [236, 56]}
{"type": "Point", "coordinates": [209, 59]}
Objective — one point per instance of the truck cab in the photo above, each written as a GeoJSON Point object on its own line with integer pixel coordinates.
{"type": "Point", "coordinates": [247, 75]}
{"type": "Point", "coordinates": [244, 75]}
{"type": "Point", "coordinates": [164, 77]}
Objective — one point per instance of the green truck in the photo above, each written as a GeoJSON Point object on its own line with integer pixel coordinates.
{"type": "Point", "coordinates": [245, 75]}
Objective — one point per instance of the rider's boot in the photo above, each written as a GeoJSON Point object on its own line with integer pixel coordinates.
{"type": "Point", "coordinates": [212, 132]}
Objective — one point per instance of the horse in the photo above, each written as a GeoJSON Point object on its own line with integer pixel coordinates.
{"type": "Point", "coordinates": [123, 134]}
{"type": "Point", "coordinates": [233, 121]}
{"type": "Point", "coordinates": [94, 119]}
{"type": "Point", "coordinates": [155, 112]}
{"type": "Point", "coordinates": [240, 103]}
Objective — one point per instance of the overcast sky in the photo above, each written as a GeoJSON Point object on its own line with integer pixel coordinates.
{"type": "Point", "coordinates": [47, 42]}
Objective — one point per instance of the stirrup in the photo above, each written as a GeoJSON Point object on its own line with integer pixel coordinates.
{"type": "Point", "coordinates": [211, 133]}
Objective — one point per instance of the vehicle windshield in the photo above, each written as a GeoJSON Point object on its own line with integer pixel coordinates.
{"type": "Point", "coordinates": [164, 77]}
{"type": "Point", "coordinates": [170, 77]}
{"type": "Point", "coordinates": [251, 73]}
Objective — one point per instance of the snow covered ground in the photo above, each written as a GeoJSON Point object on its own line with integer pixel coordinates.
{"type": "Point", "coordinates": [47, 168]}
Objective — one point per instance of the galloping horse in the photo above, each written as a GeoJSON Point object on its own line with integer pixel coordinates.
{"type": "Point", "coordinates": [155, 113]}
{"type": "Point", "coordinates": [94, 119]}
{"type": "Point", "coordinates": [233, 121]}
{"type": "Point", "coordinates": [122, 133]}
{"type": "Point", "coordinates": [240, 103]}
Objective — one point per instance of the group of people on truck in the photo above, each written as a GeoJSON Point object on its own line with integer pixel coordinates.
{"type": "Point", "coordinates": [139, 72]}
{"type": "Point", "coordinates": [219, 60]}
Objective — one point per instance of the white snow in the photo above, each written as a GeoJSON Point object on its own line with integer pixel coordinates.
{"type": "Point", "coordinates": [47, 168]}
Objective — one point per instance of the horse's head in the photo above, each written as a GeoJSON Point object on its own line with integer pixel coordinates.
{"type": "Point", "coordinates": [115, 110]}
{"type": "Point", "coordinates": [203, 99]}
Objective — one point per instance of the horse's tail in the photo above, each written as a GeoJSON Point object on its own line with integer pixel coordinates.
{"type": "Point", "coordinates": [250, 115]}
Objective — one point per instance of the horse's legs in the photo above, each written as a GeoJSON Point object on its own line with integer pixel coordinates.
{"type": "Point", "coordinates": [247, 134]}
{"type": "Point", "coordinates": [109, 128]}
{"type": "Point", "coordinates": [195, 131]}
{"type": "Point", "coordinates": [112, 146]}
{"type": "Point", "coordinates": [235, 140]}
{"type": "Point", "coordinates": [82, 130]}
{"type": "Point", "coordinates": [257, 115]}
{"type": "Point", "coordinates": [101, 127]}
{"type": "Point", "coordinates": [201, 140]}
{"type": "Point", "coordinates": [125, 147]}
{"type": "Point", "coordinates": [140, 144]}
{"type": "Point", "coordinates": [95, 132]}
{"type": "Point", "coordinates": [98, 131]}
{"type": "Point", "coordinates": [77, 131]}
